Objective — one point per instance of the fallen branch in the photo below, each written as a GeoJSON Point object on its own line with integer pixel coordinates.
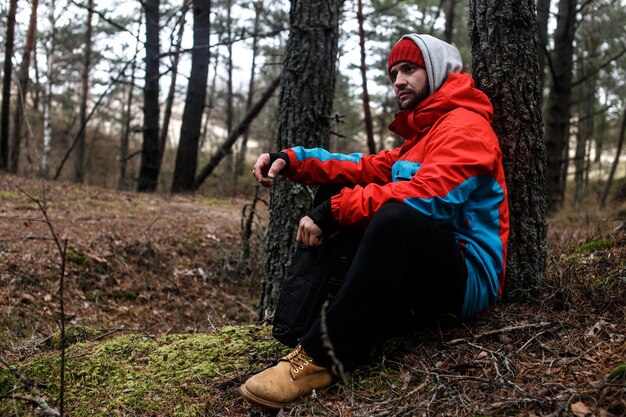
{"type": "Point", "coordinates": [502, 330]}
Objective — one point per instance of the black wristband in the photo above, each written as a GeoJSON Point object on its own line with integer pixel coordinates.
{"type": "Point", "coordinates": [280, 155]}
{"type": "Point", "coordinates": [323, 218]}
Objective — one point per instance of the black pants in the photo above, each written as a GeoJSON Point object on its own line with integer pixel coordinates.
{"type": "Point", "coordinates": [407, 270]}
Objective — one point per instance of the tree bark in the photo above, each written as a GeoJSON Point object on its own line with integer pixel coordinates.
{"type": "Point", "coordinates": [6, 86]}
{"type": "Point", "coordinates": [367, 114]}
{"type": "Point", "coordinates": [559, 102]}
{"type": "Point", "coordinates": [306, 103]}
{"type": "Point", "coordinates": [79, 162]}
{"type": "Point", "coordinates": [23, 80]}
{"type": "Point", "coordinates": [543, 16]}
{"type": "Point", "coordinates": [187, 153]}
{"type": "Point", "coordinates": [503, 34]}
{"type": "Point", "coordinates": [150, 150]}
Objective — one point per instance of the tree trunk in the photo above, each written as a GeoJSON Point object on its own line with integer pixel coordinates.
{"type": "Point", "coordinates": [229, 84]}
{"type": "Point", "coordinates": [306, 104]}
{"type": "Point", "coordinates": [543, 16]}
{"type": "Point", "coordinates": [6, 87]}
{"type": "Point", "coordinates": [618, 152]}
{"type": "Point", "coordinates": [210, 104]}
{"type": "Point", "coordinates": [150, 150]}
{"type": "Point", "coordinates": [588, 104]}
{"type": "Point", "coordinates": [244, 125]}
{"type": "Point", "coordinates": [23, 80]}
{"type": "Point", "coordinates": [79, 162]}
{"type": "Point", "coordinates": [127, 116]}
{"type": "Point", "coordinates": [558, 115]}
{"type": "Point", "coordinates": [47, 107]}
{"type": "Point", "coordinates": [503, 34]}
{"type": "Point", "coordinates": [187, 153]}
{"type": "Point", "coordinates": [449, 12]}
{"type": "Point", "coordinates": [169, 102]}
{"type": "Point", "coordinates": [241, 160]}
{"type": "Point", "coordinates": [367, 114]}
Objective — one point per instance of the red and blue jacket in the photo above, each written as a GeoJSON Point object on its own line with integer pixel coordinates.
{"type": "Point", "coordinates": [449, 168]}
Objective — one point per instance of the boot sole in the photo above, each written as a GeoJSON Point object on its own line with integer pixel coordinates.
{"type": "Point", "coordinates": [251, 398]}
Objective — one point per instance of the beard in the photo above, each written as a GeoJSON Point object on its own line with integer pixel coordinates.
{"type": "Point", "coordinates": [416, 99]}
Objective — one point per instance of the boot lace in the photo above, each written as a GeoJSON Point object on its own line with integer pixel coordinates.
{"type": "Point", "coordinates": [298, 359]}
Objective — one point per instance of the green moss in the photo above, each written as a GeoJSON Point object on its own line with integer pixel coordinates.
{"type": "Point", "coordinates": [137, 375]}
{"type": "Point", "coordinates": [618, 374]}
{"type": "Point", "coordinates": [12, 197]}
{"type": "Point", "coordinates": [131, 295]}
{"type": "Point", "coordinates": [90, 297]}
{"type": "Point", "coordinates": [73, 334]}
{"type": "Point", "coordinates": [75, 257]}
{"type": "Point", "coordinates": [595, 245]}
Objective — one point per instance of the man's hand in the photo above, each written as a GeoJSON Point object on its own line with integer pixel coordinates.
{"type": "Point", "coordinates": [264, 173]}
{"type": "Point", "coordinates": [309, 233]}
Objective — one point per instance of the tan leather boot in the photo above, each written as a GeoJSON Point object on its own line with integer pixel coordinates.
{"type": "Point", "coordinates": [295, 375]}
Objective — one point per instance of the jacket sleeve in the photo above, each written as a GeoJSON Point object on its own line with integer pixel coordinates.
{"type": "Point", "coordinates": [318, 166]}
{"type": "Point", "coordinates": [456, 162]}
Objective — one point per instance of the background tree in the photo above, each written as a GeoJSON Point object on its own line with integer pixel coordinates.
{"type": "Point", "coordinates": [187, 154]}
{"type": "Point", "coordinates": [559, 103]}
{"type": "Point", "coordinates": [79, 161]}
{"type": "Point", "coordinates": [24, 82]}
{"type": "Point", "coordinates": [306, 99]}
{"type": "Point", "coordinates": [367, 114]}
{"type": "Point", "coordinates": [6, 86]}
{"type": "Point", "coordinates": [150, 151]}
{"type": "Point", "coordinates": [502, 37]}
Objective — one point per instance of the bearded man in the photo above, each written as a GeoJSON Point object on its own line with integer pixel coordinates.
{"type": "Point", "coordinates": [433, 215]}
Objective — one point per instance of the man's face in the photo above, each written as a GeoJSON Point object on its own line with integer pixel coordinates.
{"type": "Point", "coordinates": [410, 84]}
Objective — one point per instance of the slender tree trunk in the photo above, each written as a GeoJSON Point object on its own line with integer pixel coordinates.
{"type": "Point", "coordinates": [223, 149]}
{"type": "Point", "coordinates": [6, 87]}
{"type": "Point", "coordinates": [128, 115]}
{"type": "Point", "coordinates": [306, 103]}
{"type": "Point", "coordinates": [618, 152]}
{"type": "Point", "coordinates": [229, 84]}
{"type": "Point", "coordinates": [208, 117]}
{"type": "Point", "coordinates": [559, 102]}
{"type": "Point", "coordinates": [543, 16]}
{"type": "Point", "coordinates": [79, 162]}
{"type": "Point", "coordinates": [449, 11]}
{"type": "Point", "coordinates": [241, 160]}
{"type": "Point", "coordinates": [47, 109]}
{"type": "Point", "coordinates": [503, 33]}
{"type": "Point", "coordinates": [588, 105]}
{"type": "Point", "coordinates": [367, 114]}
{"type": "Point", "coordinates": [169, 102]}
{"type": "Point", "coordinates": [187, 153]}
{"type": "Point", "coordinates": [150, 150]}
{"type": "Point", "coordinates": [23, 80]}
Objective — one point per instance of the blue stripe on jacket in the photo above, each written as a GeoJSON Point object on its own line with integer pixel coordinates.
{"type": "Point", "coordinates": [471, 211]}
{"type": "Point", "coordinates": [323, 155]}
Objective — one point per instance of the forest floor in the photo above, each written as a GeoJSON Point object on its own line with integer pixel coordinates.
{"type": "Point", "coordinates": [155, 267]}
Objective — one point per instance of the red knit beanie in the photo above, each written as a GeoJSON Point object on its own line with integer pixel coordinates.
{"type": "Point", "coordinates": [405, 51]}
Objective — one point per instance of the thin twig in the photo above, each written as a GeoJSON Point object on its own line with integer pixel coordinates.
{"type": "Point", "coordinates": [499, 331]}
